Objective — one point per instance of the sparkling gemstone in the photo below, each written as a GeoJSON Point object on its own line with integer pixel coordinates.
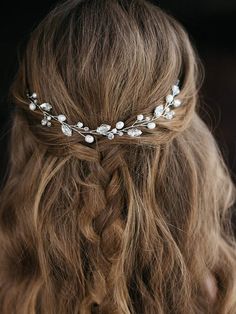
{"type": "Point", "coordinates": [79, 124]}
{"type": "Point", "coordinates": [177, 103]}
{"type": "Point", "coordinates": [44, 121]}
{"type": "Point", "coordinates": [89, 138]}
{"type": "Point", "coordinates": [158, 111]}
{"type": "Point", "coordinates": [134, 132]}
{"type": "Point", "coordinates": [111, 136]}
{"type": "Point", "coordinates": [120, 125]}
{"type": "Point", "coordinates": [66, 130]}
{"type": "Point", "coordinates": [61, 118]}
{"type": "Point", "coordinates": [49, 118]}
{"type": "Point", "coordinates": [140, 117]}
{"type": "Point", "coordinates": [32, 106]}
{"type": "Point", "coordinates": [34, 95]}
{"type": "Point", "coordinates": [86, 128]}
{"type": "Point", "coordinates": [114, 130]}
{"type": "Point", "coordinates": [151, 125]}
{"type": "Point", "coordinates": [175, 90]}
{"type": "Point", "coordinates": [103, 128]}
{"type": "Point", "coordinates": [169, 98]}
{"type": "Point", "coordinates": [49, 123]}
{"type": "Point", "coordinates": [46, 106]}
{"type": "Point", "coordinates": [169, 115]}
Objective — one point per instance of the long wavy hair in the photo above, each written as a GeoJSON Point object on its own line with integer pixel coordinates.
{"type": "Point", "coordinates": [129, 225]}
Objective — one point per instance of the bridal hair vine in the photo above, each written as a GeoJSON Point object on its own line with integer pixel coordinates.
{"type": "Point", "coordinates": [161, 110]}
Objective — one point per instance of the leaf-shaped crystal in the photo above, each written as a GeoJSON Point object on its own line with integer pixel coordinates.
{"type": "Point", "coordinates": [158, 111]}
{"type": "Point", "coordinates": [66, 130]}
{"type": "Point", "coordinates": [134, 132]}
{"type": "Point", "coordinates": [46, 106]}
{"type": "Point", "coordinates": [103, 128]}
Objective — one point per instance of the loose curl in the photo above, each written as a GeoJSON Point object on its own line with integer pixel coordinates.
{"type": "Point", "coordinates": [132, 225]}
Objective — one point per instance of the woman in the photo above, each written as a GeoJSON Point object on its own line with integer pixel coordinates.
{"type": "Point", "coordinates": [117, 198]}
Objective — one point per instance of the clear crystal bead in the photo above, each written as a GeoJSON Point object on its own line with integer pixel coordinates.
{"type": "Point", "coordinates": [103, 128]}
{"type": "Point", "coordinates": [66, 130]}
{"type": "Point", "coordinates": [158, 111]}
{"type": "Point", "coordinates": [32, 106]}
{"type": "Point", "coordinates": [61, 118]}
{"type": "Point", "coordinates": [134, 132]}
{"type": "Point", "coordinates": [169, 98]}
{"type": "Point", "coordinates": [44, 121]}
{"type": "Point", "coordinates": [46, 106]}
{"type": "Point", "coordinates": [89, 138]}
{"type": "Point", "coordinates": [111, 136]}
{"type": "Point", "coordinates": [86, 128]}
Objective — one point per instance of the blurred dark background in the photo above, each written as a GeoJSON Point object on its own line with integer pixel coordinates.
{"type": "Point", "coordinates": [211, 25]}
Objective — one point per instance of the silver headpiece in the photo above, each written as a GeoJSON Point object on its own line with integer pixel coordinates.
{"type": "Point", "coordinates": [162, 110]}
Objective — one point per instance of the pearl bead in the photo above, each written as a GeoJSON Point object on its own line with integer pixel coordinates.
{"type": "Point", "coordinates": [151, 125]}
{"type": "Point", "coordinates": [79, 124]}
{"type": "Point", "coordinates": [49, 118]}
{"type": "Point", "coordinates": [49, 123]}
{"type": "Point", "coordinates": [140, 117]}
{"type": "Point", "coordinates": [169, 98]}
{"type": "Point", "coordinates": [177, 103]}
{"type": "Point", "coordinates": [32, 106]}
{"type": "Point", "coordinates": [120, 124]}
{"type": "Point", "coordinates": [89, 138]}
{"type": "Point", "coordinates": [34, 95]}
{"type": "Point", "coordinates": [175, 89]}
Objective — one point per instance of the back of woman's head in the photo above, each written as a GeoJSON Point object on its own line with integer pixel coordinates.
{"type": "Point", "coordinates": [128, 225]}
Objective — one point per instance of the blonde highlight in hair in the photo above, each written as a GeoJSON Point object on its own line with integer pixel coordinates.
{"type": "Point", "coordinates": [132, 225]}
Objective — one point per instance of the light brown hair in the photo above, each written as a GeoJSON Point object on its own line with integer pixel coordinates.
{"type": "Point", "coordinates": [129, 225]}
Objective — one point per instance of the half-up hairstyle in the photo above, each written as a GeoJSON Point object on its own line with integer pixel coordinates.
{"type": "Point", "coordinates": [122, 226]}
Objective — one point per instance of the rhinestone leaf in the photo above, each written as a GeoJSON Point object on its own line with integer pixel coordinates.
{"type": "Point", "coordinates": [66, 130]}
{"type": "Point", "coordinates": [134, 132]}
{"type": "Point", "coordinates": [46, 106]}
{"type": "Point", "coordinates": [103, 128]}
{"type": "Point", "coordinates": [158, 111]}
{"type": "Point", "coordinates": [175, 90]}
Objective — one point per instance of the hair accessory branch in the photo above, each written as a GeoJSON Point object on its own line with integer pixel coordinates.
{"type": "Point", "coordinates": [161, 110]}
